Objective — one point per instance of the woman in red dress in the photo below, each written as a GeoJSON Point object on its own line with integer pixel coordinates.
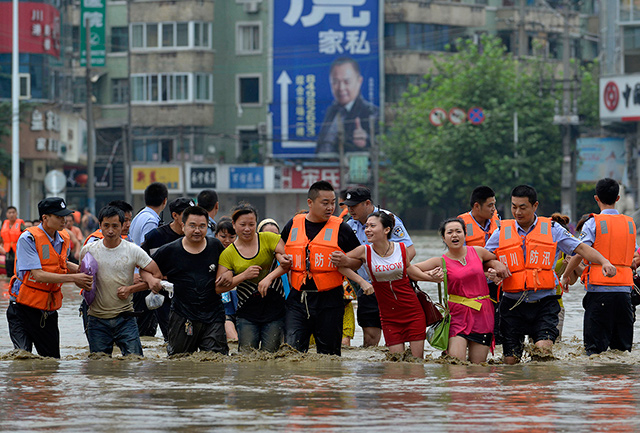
{"type": "Point", "coordinates": [401, 315]}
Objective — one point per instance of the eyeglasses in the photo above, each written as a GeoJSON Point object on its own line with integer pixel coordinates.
{"type": "Point", "coordinates": [201, 227]}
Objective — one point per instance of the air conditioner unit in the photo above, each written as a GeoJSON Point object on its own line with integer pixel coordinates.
{"type": "Point", "coordinates": [262, 128]}
{"type": "Point", "coordinates": [252, 7]}
{"type": "Point", "coordinates": [25, 85]}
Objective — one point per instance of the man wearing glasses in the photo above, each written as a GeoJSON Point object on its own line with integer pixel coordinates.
{"type": "Point", "coordinates": [190, 263]}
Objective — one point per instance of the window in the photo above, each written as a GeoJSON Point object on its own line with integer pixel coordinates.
{"type": "Point", "coordinates": [421, 37]}
{"type": "Point", "coordinates": [249, 142]}
{"type": "Point", "coordinates": [119, 39]}
{"type": "Point", "coordinates": [137, 35]}
{"type": "Point", "coordinates": [171, 88]}
{"type": "Point", "coordinates": [154, 149]}
{"type": "Point", "coordinates": [171, 35]}
{"type": "Point", "coordinates": [203, 87]}
{"type": "Point", "coordinates": [248, 38]}
{"type": "Point", "coordinates": [119, 91]}
{"type": "Point", "coordinates": [249, 90]}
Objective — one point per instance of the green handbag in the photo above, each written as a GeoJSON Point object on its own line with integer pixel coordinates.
{"type": "Point", "coordinates": [438, 334]}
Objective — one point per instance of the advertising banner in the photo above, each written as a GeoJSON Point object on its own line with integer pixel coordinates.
{"type": "Point", "coordinates": [38, 26]}
{"type": "Point", "coordinates": [326, 72]}
{"type": "Point", "coordinates": [302, 179]}
{"type": "Point", "coordinates": [142, 176]}
{"type": "Point", "coordinates": [246, 178]}
{"type": "Point", "coordinates": [94, 11]}
{"type": "Point", "coordinates": [600, 157]}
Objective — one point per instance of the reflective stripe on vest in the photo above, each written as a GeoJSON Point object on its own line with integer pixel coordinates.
{"type": "Point", "coordinates": [616, 241]}
{"type": "Point", "coordinates": [476, 236]}
{"type": "Point", "coordinates": [535, 272]}
{"type": "Point", "coordinates": [10, 234]}
{"type": "Point", "coordinates": [311, 258]}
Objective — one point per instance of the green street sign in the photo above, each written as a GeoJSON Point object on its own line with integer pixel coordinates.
{"type": "Point", "coordinates": [94, 11]}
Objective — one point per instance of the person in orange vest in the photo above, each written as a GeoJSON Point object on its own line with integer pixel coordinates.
{"type": "Point", "coordinates": [41, 269]}
{"type": "Point", "coordinates": [480, 223]}
{"type": "Point", "coordinates": [530, 246]}
{"type": "Point", "coordinates": [608, 313]}
{"type": "Point", "coordinates": [315, 304]}
{"type": "Point", "coordinates": [11, 230]}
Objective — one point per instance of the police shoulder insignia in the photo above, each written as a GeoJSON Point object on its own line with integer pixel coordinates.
{"type": "Point", "coordinates": [398, 232]}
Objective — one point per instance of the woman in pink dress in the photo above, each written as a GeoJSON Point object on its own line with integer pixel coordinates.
{"type": "Point", "coordinates": [401, 315]}
{"type": "Point", "coordinates": [472, 312]}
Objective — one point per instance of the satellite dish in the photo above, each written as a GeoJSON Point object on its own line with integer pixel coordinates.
{"type": "Point", "coordinates": [55, 181]}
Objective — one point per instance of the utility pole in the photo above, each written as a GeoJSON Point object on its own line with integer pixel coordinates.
{"type": "Point", "coordinates": [15, 111]}
{"type": "Point", "coordinates": [523, 44]}
{"type": "Point", "coordinates": [91, 187]}
{"type": "Point", "coordinates": [567, 195]}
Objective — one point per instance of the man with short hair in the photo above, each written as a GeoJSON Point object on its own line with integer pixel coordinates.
{"type": "Point", "coordinates": [111, 317]}
{"type": "Point", "coordinates": [41, 269]}
{"type": "Point", "coordinates": [128, 216]}
{"type": "Point", "coordinates": [11, 230]}
{"type": "Point", "coordinates": [358, 201]}
{"type": "Point", "coordinates": [608, 312]}
{"type": "Point", "coordinates": [190, 263]}
{"type": "Point", "coordinates": [208, 200]}
{"type": "Point", "coordinates": [155, 200]}
{"type": "Point", "coordinates": [530, 246]}
{"type": "Point", "coordinates": [315, 305]}
{"type": "Point", "coordinates": [346, 81]}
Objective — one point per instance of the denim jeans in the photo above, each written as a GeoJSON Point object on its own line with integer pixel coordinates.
{"type": "Point", "coordinates": [121, 330]}
{"type": "Point", "coordinates": [265, 336]}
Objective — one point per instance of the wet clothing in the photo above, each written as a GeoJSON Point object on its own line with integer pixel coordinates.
{"type": "Point", "coordinates": [608, 321]}
{"type": "Point", "coordinates": [318, 313]}
{"type": "Point", "coordinates": [121, 330]}
{"type": "Point", "coordinates": [608, 312]}
{"type": "Point", "coordinates": [401, 314]}
{"type": "Point", "coordinates": [194, 280]}
{"type": "Point", "coordinates": [266, 336]}
{"type": "Point", "coordinates": [29, 326]}
{"type": "Point", "coordinates": [187, 336]}
{"type": "Point", "coordinates": [468, 281]}
{"type": "Point", "coordinates": [368, 313]}
{"type": "Point", "coordinates": [159, 237]}
{"type": "Point", "coordinates": [538, 320]}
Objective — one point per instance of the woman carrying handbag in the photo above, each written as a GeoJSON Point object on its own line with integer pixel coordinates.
{"type": "Point", "coordinates": [472, 317]}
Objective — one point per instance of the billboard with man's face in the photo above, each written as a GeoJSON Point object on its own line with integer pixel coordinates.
{"type": "Point", "coordinates": [326, 74]}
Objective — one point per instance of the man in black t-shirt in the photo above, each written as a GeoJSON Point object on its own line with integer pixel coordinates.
{"type": "Point", "coordinates": [152, 241]}
{"type": "Point", "coordinates": [310, 310]}
{"type": "Point", "coordinates": [197, 315]}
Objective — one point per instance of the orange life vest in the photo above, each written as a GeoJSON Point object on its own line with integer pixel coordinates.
{"type": "Point", "coordinates": [476, 236]}
{"type": "Point", "coordinates": [344, 215]}
{"type": "Point", "coordinates": [36, 294]}
{"type": "Point", "coordinates": [97, 234]}
{"type": "Point", "coordinates": [311, 258]}
{"type": "Point", "coordinates": [536, 272]}
{"type": "Point", "coordinates": [615, 240]}
{"type": "Point", "coordinates": [10, 234]}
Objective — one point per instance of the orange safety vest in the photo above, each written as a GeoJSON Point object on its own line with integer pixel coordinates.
{"type": "Point", "coordinates": [311, 258]}
{"type": "Point", "coordinates": [536, 272]}
{"type": "Point", "coordinates": [10, 234]}
{"type": "Point", "coordinates": [616, 240]}
{"type": "Point", "coordinates": [97, 234]}
{"type": "Point", "coordinates": [475, 234]}
{"type": "Point", "coordinates": [36, 294]}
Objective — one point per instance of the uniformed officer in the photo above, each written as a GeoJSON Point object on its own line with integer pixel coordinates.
{"type": "Point", "coordinates": [530, 246]}
{"type": "Point", "coordinates": [41, 269]}
{"type": "Point", "coordinates": [358, 201]}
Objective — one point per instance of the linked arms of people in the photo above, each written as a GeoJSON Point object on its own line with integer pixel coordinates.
{"type": "Point", "coordinates": [83, 281]}
{"type": "Point", "coordinates": [150, 278]}
{"type": "Point", "coordinates": [352, 260]}
{"type": "Point", "coordinates": [591, 255]}
{"type": "Point", "coordinates": [429, 270]}
{"type": "Point", "coordinates": [283, 267]}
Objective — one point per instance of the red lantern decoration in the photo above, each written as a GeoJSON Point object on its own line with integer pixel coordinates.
{"type": "Point", "coordinates": [82, 178]}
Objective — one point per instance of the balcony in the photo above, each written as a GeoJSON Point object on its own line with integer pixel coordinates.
{"type": "Point", "coordinates": [448, 13]}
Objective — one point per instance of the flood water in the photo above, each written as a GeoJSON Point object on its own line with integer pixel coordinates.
{"type": "Point", "coordinates": [364, 390]}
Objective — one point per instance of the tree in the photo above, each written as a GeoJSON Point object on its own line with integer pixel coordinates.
{"type": "Point", "coordinates": [439, 166]}
{"type": "Point", "coordinates": [5, 131]}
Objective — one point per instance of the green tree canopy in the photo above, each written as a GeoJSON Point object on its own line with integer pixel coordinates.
{"type": "Point", "coordinates": [440, 166]}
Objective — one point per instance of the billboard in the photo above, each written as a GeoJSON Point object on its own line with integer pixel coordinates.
{"type": "Point", "coordinates": [142, 176]}
{"type": "Point", "coordinates": [620, 98]}
{"type": "Point", "coordinates": [326, 76]}
{"type": "Point", "coordinates": [93, 12]}
{"type": "Point", "coordinates": [600, 157]}
{"type": "Point", "coordinates": [38, 27]}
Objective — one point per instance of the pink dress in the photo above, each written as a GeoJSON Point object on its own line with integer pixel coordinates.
{"type": "Point", "coordinates": [401, 315]}
{"type": "Point", "coordinates": [469, 281]}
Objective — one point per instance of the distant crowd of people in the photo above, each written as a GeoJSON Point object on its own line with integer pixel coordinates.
{"type": "Point", "coordinates": [206, 283]}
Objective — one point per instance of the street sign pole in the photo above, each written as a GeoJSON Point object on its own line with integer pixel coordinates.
{"type": "Point", "coordinates": [91, 187]}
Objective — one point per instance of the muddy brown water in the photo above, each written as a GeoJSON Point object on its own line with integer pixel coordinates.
{"type": "Point", "coordinates": [364, 390]}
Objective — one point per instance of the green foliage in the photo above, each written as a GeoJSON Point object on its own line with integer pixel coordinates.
{"type": "Point", "coordinates": [439, 166]}
{"type": "Point", "coordinates": [5, 131]}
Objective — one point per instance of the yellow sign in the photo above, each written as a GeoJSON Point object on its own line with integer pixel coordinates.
{"type": "Point", "coordinates": [142, 176]}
